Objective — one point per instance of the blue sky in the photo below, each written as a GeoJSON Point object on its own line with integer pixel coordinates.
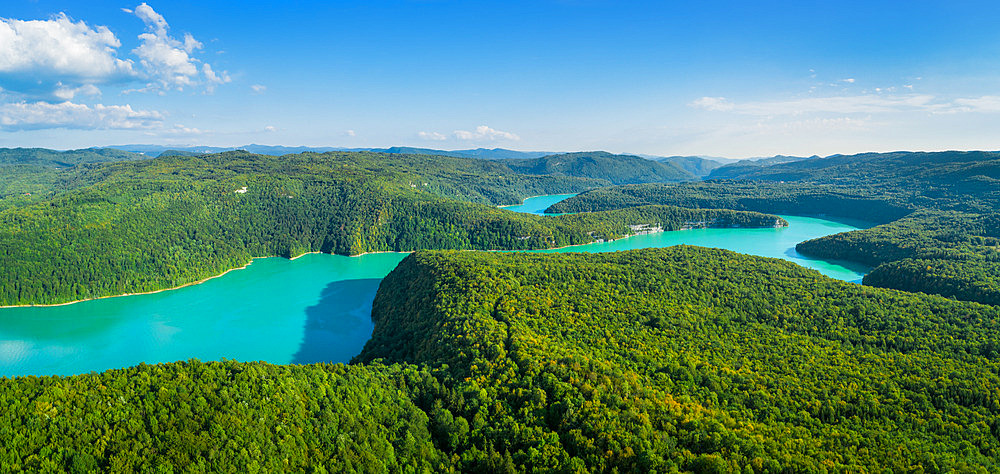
{"type": "Point", "coordinates": [732, 79]}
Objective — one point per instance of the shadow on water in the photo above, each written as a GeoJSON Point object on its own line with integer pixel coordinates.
{"type": "Point", "coordinates": [338, 326]}
{"type": "Point", "coordinates": [859, 268]}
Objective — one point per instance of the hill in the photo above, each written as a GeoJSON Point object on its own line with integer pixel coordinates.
{"type": "Point", "coordinates": [937, 206]}
{"type": "Point", "coordinates": [744, 167]}
{"type": "Point", "coordinates": [696, 165]}
{"type": "Point", "coordinates": [63, 159]}
{"type": "Point", "coordinates": [689, 354]}
{"type": "Point", "coordinates": [618, 169]}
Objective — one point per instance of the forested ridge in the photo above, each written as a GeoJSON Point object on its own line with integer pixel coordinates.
{"type": "Point", "coordinates": [146, 225]}
{"type": "Point", "coordinates": [616, 169]}
{"type": "Point", "coordinates": [938, 212]}
{"type": "Point", "coordinates": [657, 360]}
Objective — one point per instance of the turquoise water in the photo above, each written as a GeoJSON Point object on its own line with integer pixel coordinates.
{"type": "Point", "coordinates": [316, 308]}
{"type": "Point", "coordinates": [538, 204]}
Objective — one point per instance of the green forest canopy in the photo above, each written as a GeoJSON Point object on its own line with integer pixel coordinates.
{"type": "Point", "coordinates": [655, 360]}
{"type": "Point", "coordinates": [939, 212]}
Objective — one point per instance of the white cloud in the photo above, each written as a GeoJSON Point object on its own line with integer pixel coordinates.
{"type": "Point", "coordinates": [258, 88]}
{"type": "Point", "coordinates": [66, 93]}
{"type": "Point", "coordinates": [863, 104]}
{"type": "Point", "coordinates": [39, 56]}
{"type": "Point", "coordinates": [483, 132]}
{"type": "Point", "coordinates": [167, 61]}
{"type": "Point", "coordinates": [38, 115]}
{"type": "Point", "coordinates": [849, 80]}
{"type": "Point", "coordinates": [151, 18]}
{"type": "Point", "coordinates": [986, 103]}
{"type": "Point", "coordinates": [350, 133]}
{"type": "Point", "coordinates": [715, 104]}
{"type": "Point", "coordinates": [178, 129]}
{"type": "Point", "coordinates": [270, 128]}
{"type": "Point", "coordinates": [431, 136]}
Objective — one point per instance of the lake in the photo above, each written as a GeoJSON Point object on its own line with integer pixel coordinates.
{"type": "Point", "coordinates": [316, 308]}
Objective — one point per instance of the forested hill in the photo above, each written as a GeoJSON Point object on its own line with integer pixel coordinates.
{"type": "Point", "coordinates": [618, 169]}
{"type": "Point", "coordinates": [660, 360]}
{"type": "Point", "coordinates": [696, 165]}
{"type": "Point", "coordinates": [146, 225]}
{"type": "Point", "coordinates": [948, 202]}
{"type": "Point", "coordinates": [693, 359]}
{"type": "Point", "coordinates": [978, 169]}
{"type": "Point", "coordinates": [741, 167]}
{"type": "Point", "coordinates": [780, 198]}
{"type": "Point", "coordinates": [63, 159]}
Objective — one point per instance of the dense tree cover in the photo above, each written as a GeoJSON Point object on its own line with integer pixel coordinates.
{"type": "Point", "coordinates": [954, 180]}
{"type": "Point", "coordinates": [164, 222]}
{"type": "Point", "coordinates": [948, 253]}
{"type": "Point", "coordinates": [657, 360]}
{"type": "Point", "coordinates": [939, 211]}
{"type": "Point", "coordinates": [617, 169]}
{"type": "Point", "coordinates": [761, 196]}
{"type": "Point", "coordinates": [693, 359]}
{"type": "Point", "coordinates": [64, 159]}
{"type": "Point", "coordinates": [220, 417]}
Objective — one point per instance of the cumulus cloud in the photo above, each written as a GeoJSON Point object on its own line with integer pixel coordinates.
{"type": "Point", "coordinates": [431, 136]}
{"type": "Point", "coordinates": [38, 115]}
{"type": "Point", "coordinates": [169, 62]}
{"type": "Point", "coordinates": [483, 132]}
{"type": "Point", "coordinates": [38, 57]}
{"type": "Point", "coordinates": [66, 93]}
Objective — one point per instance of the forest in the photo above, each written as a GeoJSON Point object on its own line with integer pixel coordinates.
{"type": "Point", "coordinates": [146, 225]}
{"type": "Point", "coordinates": [656, 360]}
{"type": "Point", "coordinates": [937, 212]}
{"type": "Point", "coordinates": [659, 360]}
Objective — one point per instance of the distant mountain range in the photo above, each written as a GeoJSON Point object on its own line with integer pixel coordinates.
{"type": "Point", "coordinates": [278, 150]}
{"type": "Point", "coordinates": [744, 167]}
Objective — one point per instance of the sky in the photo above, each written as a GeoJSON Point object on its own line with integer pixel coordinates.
{"type": "Point", "coordinates": [731, 79]}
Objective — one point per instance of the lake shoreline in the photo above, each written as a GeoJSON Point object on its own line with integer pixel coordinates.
{"type": "Point", "coordinates": [203, 280]}
{"type": "Point", "coordinates": [272, 306]}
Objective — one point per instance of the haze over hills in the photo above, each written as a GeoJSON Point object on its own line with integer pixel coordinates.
{"type": "Point", "coordinates": [741, 167]}
{"type": "Point", "coordinates": [485, 153]}
{"type": "Point", "coordinates": [278, 150]}
{"type": "Point", "coordinates": [699, 166]}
